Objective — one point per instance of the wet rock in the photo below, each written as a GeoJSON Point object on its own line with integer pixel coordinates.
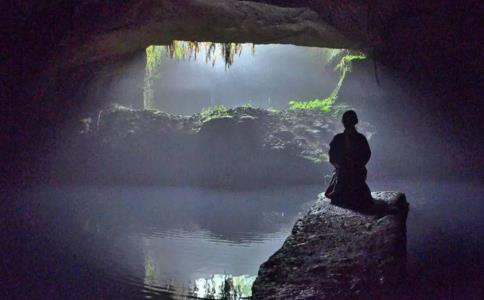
{"type": "Point", "coordinates": [284, 135]}
{"type": "Point", "coordinates": [247, 120]}
{"type": "Point", "coordinates": [337, 253]}
{"type": "Point", "coordinates": [217, 125]}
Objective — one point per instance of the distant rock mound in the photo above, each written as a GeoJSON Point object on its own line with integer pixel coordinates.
{"type": "Point", "coordinates": [238, 147]}
{"type": "Point", "coordinates": [337, 253]}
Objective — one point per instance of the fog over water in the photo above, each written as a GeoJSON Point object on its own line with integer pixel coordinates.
{"type": "Point", "coordinates": [137, 241]}
{"type": "Point", "coordinates": [404, 125]}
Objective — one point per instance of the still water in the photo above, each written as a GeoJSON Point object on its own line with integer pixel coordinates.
{"type": "Point", "coordinates": [177, 243]}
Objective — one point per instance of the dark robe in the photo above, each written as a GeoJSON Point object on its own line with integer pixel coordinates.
{"type": "Point", "coordinates": [349, 153]}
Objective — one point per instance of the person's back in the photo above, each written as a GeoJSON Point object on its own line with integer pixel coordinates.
{"type": "Point", "coordinates": [349, 153]}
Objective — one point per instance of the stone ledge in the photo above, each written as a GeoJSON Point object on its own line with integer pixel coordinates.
{"type": "Point", "coordinates": [337, 253]}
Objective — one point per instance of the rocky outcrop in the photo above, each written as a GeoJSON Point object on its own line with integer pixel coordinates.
{"type": "Point", "coordinates": [237, 147]}
{"type": "Point", "coordinates": [337, 253]}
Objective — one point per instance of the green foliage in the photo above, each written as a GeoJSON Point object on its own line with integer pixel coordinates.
{"type": "Point", "coordinates": [329, 105]}
{"type": "Point", "coordinates": [248, 105]}
{"type": "Point", "coordinates": [341, 59]}
{"type": "Point", "coordinates": [344, 67]}
{"type": "Point", "coordinates": [182, 50]}
{"type": "Point", "coordinates": [188, 50]}
{"type": "Point", "coordinates": [216, 111]}
{"type": "Point", "coordinates": [154, 61]}
{"type": "Point", "coordinates": [325, 105]}
{"type": "Point", "coordinates": [325, 55]}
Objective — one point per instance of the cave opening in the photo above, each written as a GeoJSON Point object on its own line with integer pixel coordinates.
{"type": "Point", "coordinates": [187, 77]}
{"type": "Point", "coordinates": [272, 78]}
{"type": "Point", "coordinates": [211, 114]}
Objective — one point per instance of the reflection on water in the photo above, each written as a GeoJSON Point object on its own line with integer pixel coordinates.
{"type": "Point", "coordinates": [221, 286]}
{"type": "Point", "coordinates": [159, 268]}
{"type": "Point", "coordinates": [162, 241]}
{"type": "Point", "coordinates": [168, 243]}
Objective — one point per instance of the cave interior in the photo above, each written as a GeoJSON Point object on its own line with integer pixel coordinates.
{"type": "Point", "coordinates": [420, 86]}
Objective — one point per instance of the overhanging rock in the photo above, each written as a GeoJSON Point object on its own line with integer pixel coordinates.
{"type": "Point", "coordinates": [337, 253]}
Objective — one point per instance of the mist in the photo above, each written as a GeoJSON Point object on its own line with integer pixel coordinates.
{"type": "Point", "coordinates": [408, 139]}
{"type": "Point", "coordinates": [270, 76]}
{"type": "Point", "coordinates": [182, 168]}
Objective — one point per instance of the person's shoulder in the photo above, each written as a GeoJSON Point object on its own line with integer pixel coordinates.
{"type": "Point", "coordinates": [361, 136]}
{"type": "Point", "coordinates": [338, 136]}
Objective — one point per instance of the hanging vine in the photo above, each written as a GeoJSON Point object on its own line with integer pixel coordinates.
{"type": "Point", "coordinates": [344, 67]}
{"type": "Point", "coordinates": [156, 56]}
{"type": "Point", "coordinates": [182, 50]}
{"type": "Point", "coordinates": [188, 50]}
{"type": "Point", "coordinates": [342, 60]}
{"type": "Point", "coordinates": [154, 61]}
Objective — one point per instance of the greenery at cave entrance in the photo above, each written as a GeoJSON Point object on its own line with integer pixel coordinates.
{"type": "Point", "coordinates": [329, 104]}
{"type": "Point", "coordinates": [156, 55]}
{"type": "Point", "coordinates": [339, 59]}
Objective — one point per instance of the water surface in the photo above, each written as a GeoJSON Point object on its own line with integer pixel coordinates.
{"type": "Point", "coordinates": [171, 242]}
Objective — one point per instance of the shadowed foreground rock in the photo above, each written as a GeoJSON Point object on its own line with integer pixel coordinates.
{"type": "Point", "coordinates": [337, 253]}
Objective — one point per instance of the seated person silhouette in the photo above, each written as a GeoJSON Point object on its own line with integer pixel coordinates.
{"type": "Point", "coordinates": [349, 153]}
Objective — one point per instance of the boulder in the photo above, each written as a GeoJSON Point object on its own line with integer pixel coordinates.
{"type": "Point", "coordinates": [217, 125]}
{"type": "Point", "coordinates": [338, 253]}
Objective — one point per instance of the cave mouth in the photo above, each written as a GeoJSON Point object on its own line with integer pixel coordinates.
{"type": "Point", "coordinates": [177, 121]}
{"type": "Point", "coordinates": [185, 77]}
{"type": "Point", "coordinates": [188, 77]}
{"type": "Point", "coordinates": [223, 115]}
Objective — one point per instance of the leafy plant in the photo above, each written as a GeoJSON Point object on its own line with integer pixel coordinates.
{"type": "Point", "coordinates": [341, 59]}
{"type": "Point", "coordinates": [154, 61]}
{"type": "Point", "coordinates": [328, 105]}
{"type": "Point", "coordinates": [344, 67]}
{"type": "Point", "coordinates": [216, 111]}
{"type": "Point", "coordinates": [325, 55]}
{"type": "Point", "coordinates": [184, 50]}
{"type": "Point", "coordinates": [187, 50]}
{"type": "Point", "coordinates": [325, 105]}
{"type": "Point", "coordinates": [248, 105]}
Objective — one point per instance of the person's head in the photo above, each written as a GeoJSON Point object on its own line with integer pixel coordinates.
{"type": "Point", "coordinates": [350, 119]}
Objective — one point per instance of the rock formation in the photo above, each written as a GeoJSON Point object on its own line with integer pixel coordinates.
{"type": "Point", "coordinates": [237, 147]}
{"type": "Point", "coordinates": [337, 253]}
